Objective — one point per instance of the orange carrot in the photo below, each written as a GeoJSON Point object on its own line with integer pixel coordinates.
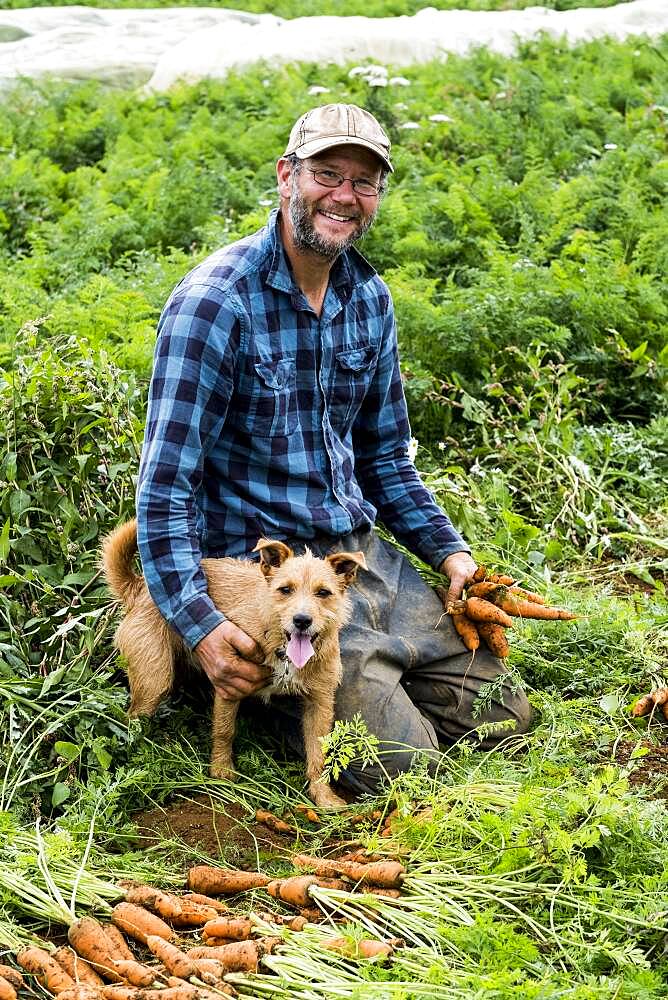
{"type": "Point", "coordinates": [389, 893]}
{"type": "Point", "coordinates": [203, 878]}
{"type": "Point", "coordinates": [174, 960]}
{"type": "Point", "coordinates": [273, 822]}
{"type": "Point", "coordinates": [366, 948]}
{"type": "Point", "coordinates": [467, 631]}
{"type": "Point", "coordinates": [7, 990]}
{"type": "Point", "coordinates": [135, 973]}
{"type": "Point", "coordinates": [240, 956]}
{"type": "Point", "coordinates": [481, 610]}
{"type": "Point", "coordinates": [45, 969]}
{"type": "Point", "coordinates": [77, 967]}
{"type": "Point", "coordinates": [495, 638]}
{"type": "Point", "coordinates": [519, 608]}
{"type": "Point", "coordinates": [121, 992]}
{"type": "Point", "coordinates": [384, 873]}
{"type": "Point", "coordinates": [89, 940]}
{"type": "Point", "coordinates": [528, 595]}
{"type": "Point", "coordinates": [209, 970]}
{"type": "Point", "coordinates": [13, 976]}
{"type": "Point", "coordinates": [81, 991]}
{"type": "Point", "coordinates": [501, 578]}
{"type": "Point", "coordinates": [479, 575]}
{"type": "Point", "coordinates": [238, 928]}
{"type": "Point", "coordinates": [165, 904]}
{"type": "Point", "coordinates": [481, 589]}
{"type": "Point", "coordinates": [206, 901]}
{"type": "Point", "coordinates": [138, 923]}
{"type": "Point", "coordinates": [294, 891]}
{"type": "Point", "coordinates": [118, 946]}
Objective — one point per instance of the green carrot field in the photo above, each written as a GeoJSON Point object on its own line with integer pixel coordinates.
{"type": "Point", "coordinates": [524, 237]}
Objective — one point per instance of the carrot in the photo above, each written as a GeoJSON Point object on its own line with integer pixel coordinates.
{"type": "Point", "coordinates": [528, 595]}
{"type": "Point", "coordinates": [466, 630]}
{"type": "Point", "coordinates": [238, 928]}
{"type": "Point", "coordinates": [481, 610]}
{"type": "Point", "coordinates": [495, 638]}
{"type": "Point", "coordinates": [165, 904]}
{"type": "Point", "coordinates": [501, 578]}
{"type": "Point", "coordinates": [210, 970]}
{"type": "Point", "coordinates": [194, 915]}
{"type": "Point", "coordinates": [81, 991]}
{"type": "Point", "coordinates": [312, 915]}
{"type": "Point", "coordinates": [121, 992]}
{"type": "Point", "coordinates": [388, 874]}
{"type": "Point", "coordinates": [7, 990]}
{"type": "Point", "coordinates": [77, 967]}
{"type": "Point", "coordinates": [389, 893]}
{"type": "Point", "coordinates": [310, 813]}
{"type": "Point", "coordinates": [240, 956]}
{"type": "Point", "coordinates": [174, 960]}
{"type": "Point", "coordinates": [273, 822]}
{"type": "Point", "coordinates": [135, 973]}
{"type": "Point", "coordinates": [118, 946]}
{"type": "Point", "coordinates": [206, 901]}
{"type": "Point", "coordinates": [13, 976]}
{"type": "Point", "coordinates": [203, 878]}
{"type": "Point", "coordinates": [45, 969]}
{"type": "Point", "coordinates": [366, 948]}
{"type": "Point", "coordinates": [89, 940]}
{"type": "Point", "coordinates": [504, 600]}
{"type": "Point", "coordinates": [479, 575]}
{"type": "Point", "coordinates": [139, 923]}
{"type": "Point", "coordinates": [294, 891]}
{"type": "Point", "coordinates": [481, 589]}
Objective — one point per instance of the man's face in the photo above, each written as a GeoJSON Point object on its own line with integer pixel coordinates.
{"type": "Point", "coordinates": [327, 221]}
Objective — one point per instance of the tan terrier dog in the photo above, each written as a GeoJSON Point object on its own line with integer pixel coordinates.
{"type": "Point", "coordinates": [300, 600]}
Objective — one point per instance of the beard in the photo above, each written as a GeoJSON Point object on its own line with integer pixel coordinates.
{"type": "Point", "coordinates": [307, 240]}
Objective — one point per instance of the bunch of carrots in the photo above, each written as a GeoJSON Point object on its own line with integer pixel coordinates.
{"type": "Point", "coordinates": [99, 964]}
{"type": "Point", "coordinates": [492, 601]}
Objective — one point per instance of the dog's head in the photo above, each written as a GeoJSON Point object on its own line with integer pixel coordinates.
{"type": "Point", "coordinates": [308, 594]}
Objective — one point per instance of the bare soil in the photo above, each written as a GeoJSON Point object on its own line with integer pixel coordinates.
{"type": "Point", "coordinates": [650, 769]}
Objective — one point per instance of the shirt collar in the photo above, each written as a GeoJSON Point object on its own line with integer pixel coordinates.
{"type": "Point", "coordinates": [349, 270]}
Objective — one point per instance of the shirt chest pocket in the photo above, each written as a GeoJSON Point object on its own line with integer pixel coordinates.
{"type": "Point", "coordinates": [272, 409]}
{"type": "Point", "coordinates": [351, 377]}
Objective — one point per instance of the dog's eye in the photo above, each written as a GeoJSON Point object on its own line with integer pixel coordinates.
{"type": "Point", "coordinates": [285, 590]}
{"type": "Point", "coordinates": [323, 592]}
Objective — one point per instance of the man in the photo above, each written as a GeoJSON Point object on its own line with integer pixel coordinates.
{"type": "Point", "coordinates": [277, 409]}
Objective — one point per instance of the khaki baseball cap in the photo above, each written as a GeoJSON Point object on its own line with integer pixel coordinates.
{"type": "Point", "coordinates": [338, 125]}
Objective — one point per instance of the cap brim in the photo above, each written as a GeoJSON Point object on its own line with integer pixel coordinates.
{"type": "Point", "coordinates": [320, 145]}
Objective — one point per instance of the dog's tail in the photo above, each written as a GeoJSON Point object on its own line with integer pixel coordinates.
{"type": "Point", "coordinates": [118, 552]}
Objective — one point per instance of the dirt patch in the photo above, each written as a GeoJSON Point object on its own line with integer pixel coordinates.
{"type": "Point", "coordinates": [228, 834]}
{"type": "Point", "coordinates": [649, 769]}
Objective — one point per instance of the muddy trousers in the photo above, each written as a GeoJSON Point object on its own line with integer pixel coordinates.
{"type": "Point", "coordinates": [405, 671]}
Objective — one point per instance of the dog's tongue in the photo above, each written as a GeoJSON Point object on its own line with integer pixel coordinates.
{"type": "Point", "coordinates": [299, 650]}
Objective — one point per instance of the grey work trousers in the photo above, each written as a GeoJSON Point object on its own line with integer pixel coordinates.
{"type": "Point", "coordinates": [405, 670]}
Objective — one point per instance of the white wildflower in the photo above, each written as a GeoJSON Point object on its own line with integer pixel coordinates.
{"type": "Point", "coordinates": [399, 81]}
{"type": "Point", "coordinates": [440, 118]}
{"type": "Point", "coordinates": [409, 125]}
{"type": "Point", "coordinates": [412, 449]}
{"type": "Point", "coordinates": [316, 89]}
{"type": "Point", "coordinates": [610, 145]}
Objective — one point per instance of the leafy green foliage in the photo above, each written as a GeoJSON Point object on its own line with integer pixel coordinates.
{"type": "Point", "coordinates": [307, 8]}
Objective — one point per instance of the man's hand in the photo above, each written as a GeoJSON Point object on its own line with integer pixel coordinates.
{"type": "Point", "coordinates": [459, 567]}
{"type": "Point", "coordinates": [232, 662]}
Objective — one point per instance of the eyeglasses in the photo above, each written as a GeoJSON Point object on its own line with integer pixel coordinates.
{"type": "Point", "coordinates": [332, 179]}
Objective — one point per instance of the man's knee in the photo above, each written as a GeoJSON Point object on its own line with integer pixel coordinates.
{"type": "Point", "coordinates": [512, 717]}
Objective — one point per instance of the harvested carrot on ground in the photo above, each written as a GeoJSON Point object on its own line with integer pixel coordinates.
{"type": "Point", "coordinates": [138, 923]}
{"type": "Point", "coordinates": [7, 990]}
{"type": "Point", "coordinates": [294, 891]}
{"type": "Point", "coordinates": [82, 991]}
{"type": "Point", "coordinates": [121, 992]}
{"type": "Point", "coordinates": [174, 960]}
{"type": "Point", "coordinates": [165, 904]}
{"type": "Point", "coordinates": [89, 940]}
{"type": "Point", "coordinates": [647, 704]}
{"type": "Point", "coordinates": [520, 608]}
{"type": "Point", "coordinates": [195, 915]}
{"type": "Point", "coordinates": [118, 946]}
{"type": "Point", "coordinates": [238, 928]}
{"type": "Point", "coordinates": [209, 970]}
{"type": "Point", "coordinates": [366, 948]}
{"type": "Point", "coordinates": [240, 956]}
{"type": "Point", "coordinates": [384, 873]}
{"type": "Point", "coordinates": [45, 969]}
{"type": "Point", "coordinates": [135, 973]}
{"type": "Point", "coordinates": [204, 878]}
{"type": "Point", "coordinates": [495, 638]}
{"type": "Point", "coordinates": [77, 967]}
{"type": "Point", "coordinates": [274, 823]}
{"type": "Point", "coordinates": [13, 976]}
{"type": "Point", "coordinates": [206, 901]}
{"type": "Point", "coordinates": [309, 812]}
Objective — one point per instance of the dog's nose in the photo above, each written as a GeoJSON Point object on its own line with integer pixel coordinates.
{"type": "Point", "coordinates": [302, 622]}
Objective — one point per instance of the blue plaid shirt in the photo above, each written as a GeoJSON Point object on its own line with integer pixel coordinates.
{"type": "Point", "coordinates": [265, 419]}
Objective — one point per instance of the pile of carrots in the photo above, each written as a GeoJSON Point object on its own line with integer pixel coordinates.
{"type": "Point", "coordinates": [99, 963]}
{"type": "Point", "coordinates": [492, 601]}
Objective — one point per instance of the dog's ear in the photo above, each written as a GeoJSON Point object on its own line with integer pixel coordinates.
{"type": "Point", "coordinates": [346, 564]}
{"type": "Point", "coordinates": [272, 554]}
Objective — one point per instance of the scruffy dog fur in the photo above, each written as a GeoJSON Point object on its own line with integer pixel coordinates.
{"type": "Point", "coordinates": [301, 599]}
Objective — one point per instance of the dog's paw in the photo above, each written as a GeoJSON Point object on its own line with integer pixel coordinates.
{"type": "Point", "coordinates": [324, 797]}
{"type": "Point", "coordinates": [223, 769]}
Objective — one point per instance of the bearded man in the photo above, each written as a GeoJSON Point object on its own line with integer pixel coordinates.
{"type": "Point", "coordinates": [276, 409]}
